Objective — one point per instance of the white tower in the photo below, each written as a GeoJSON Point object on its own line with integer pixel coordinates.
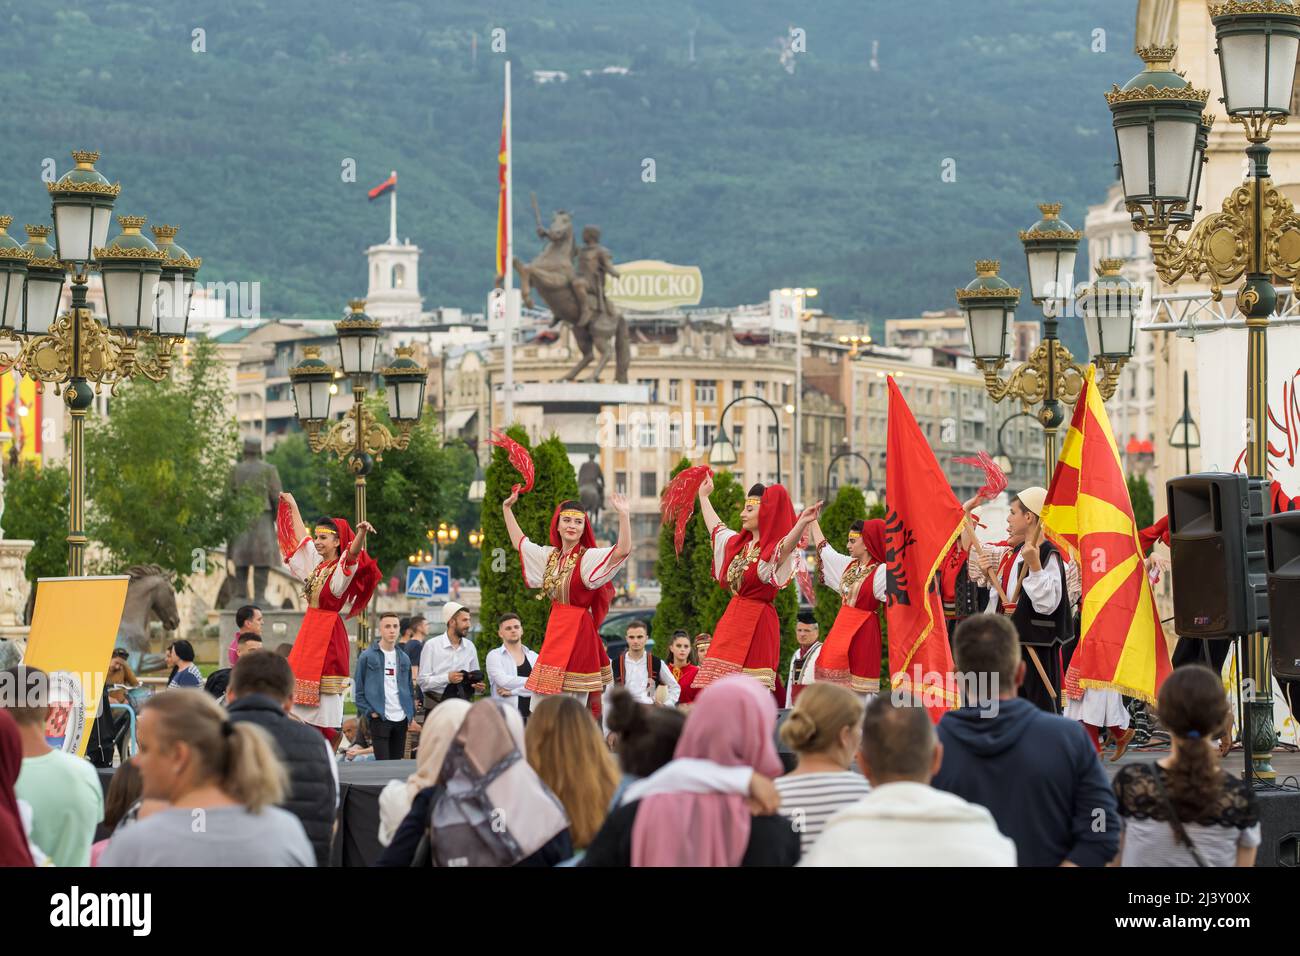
{"type": "Point", "coordinates": [394, 267]}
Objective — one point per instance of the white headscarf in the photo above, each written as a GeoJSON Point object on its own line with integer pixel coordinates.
{"type": "Point", "coordinates": [439, 730]}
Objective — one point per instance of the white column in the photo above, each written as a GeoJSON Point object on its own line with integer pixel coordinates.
{"type": "Point", "coordinates": [392, 215]}
{"type": "Point", "coordinates": [509, 333]}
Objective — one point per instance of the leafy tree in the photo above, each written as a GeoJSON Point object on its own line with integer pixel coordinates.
{"type": "Point", "coordinates": [303, 473]}
{"type": "Point", "coordinates": [836, 519]}
{"type": "Point", "coordinates": [408, 492]}
{"type": "Point", "coordinates": [158, 470]}
{"type": "Point", "coordinates": [36, 509]}
{"type": "Point", "coordinates": [500, 576]}
{"type": "Point", "coordinates": [1144, 506]}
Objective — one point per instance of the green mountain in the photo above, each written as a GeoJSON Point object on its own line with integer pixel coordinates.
{"type": "Point", "coordinates": [830, 175]}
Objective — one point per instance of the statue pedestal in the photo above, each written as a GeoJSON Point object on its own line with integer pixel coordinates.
{"type": "Point", "coordinates": [14, 588]}
{"type": "Point", "coordinates": [568, 409]}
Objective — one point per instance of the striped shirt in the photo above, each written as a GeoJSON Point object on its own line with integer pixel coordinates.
{"type": "Point", "coordinates": [808, 800]}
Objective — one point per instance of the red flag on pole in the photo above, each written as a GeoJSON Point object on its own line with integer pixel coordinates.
{"type": "Point", "coordinates": [923, 521]}
{"type": "Point", "coordinates": [384, 188]}
{"type": "Point", "coordinates": [503, 166]}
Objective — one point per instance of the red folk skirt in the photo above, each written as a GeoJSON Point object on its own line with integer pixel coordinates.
{"type": "Point", "coordinates": [850, 655]}
{"type": "Point", "coordinates": [573, 656]}
{"type": "Point", "coordinates": [746, 640]}
{"type": "Point", "coordinates": [320, 650]}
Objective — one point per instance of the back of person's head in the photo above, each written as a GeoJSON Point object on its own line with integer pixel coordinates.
{"type": "Point", "coordinates": [247, 636]}
{"type": "Point", "coordinates": [25, 693]}
{"type": "Point", "coordinates": [826, 716]}
{"type": "Point", "coordinates": [987, 644]}
{"type": "Point", "coordinates": [1193, 708]}
{"type": "Point", "coordinates": [244, 615]}
{"type": "Point", "coordinates": [284, 649]}
{"type": "Point", "coordinates": [647, 736]}
{"type": "Point", "coordinates": [184, 650]}
{"type": "Point", "coordinates": [268, 674]}
{"type": "Point", "coordinates": [124, 790]}
{"type": "Point", "coordinates": [898, 743]}
{"type": "Point", "coordinates": [404, 625]}
{"type": "Point", "coordinates": [567, 750]}
{"type": "Point", "coordinates": [237, 757]}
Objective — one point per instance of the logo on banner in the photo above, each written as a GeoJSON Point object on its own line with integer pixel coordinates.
{"type": "Point", "coordinates": [67, 716]}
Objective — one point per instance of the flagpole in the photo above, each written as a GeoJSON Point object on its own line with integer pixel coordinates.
{"type": "Point", "coordinates": [509, 264]}
{"type": "Point", "coordinates": [392, 213]}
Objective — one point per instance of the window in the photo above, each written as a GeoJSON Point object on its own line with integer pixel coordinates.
{"type": "Point", "coordinates": [674, 390]}
{"type": "Point", "coordinates": [674, 433]}
{"type": "Point", "coordinates": [760, 389]}
{"type": "Point", "coordinates": [704, 435]}
{"type": "Point", "coordinates": [652, 386]}
{"type": "Point", "coordinates": [706, 391]}
{"type": "Point", "coordinates": [737, 390]}
{"type": "Point", "coordinates": [620, 482]}
{"type": "Point", "coordinates": [648, 437]}
{"type": "Point", "coordinates": [649, 484]}
{"type": "Point", "coordinates": [771, 438]}
{"type": "Point", "coordinates": [620, 435]}
{"type": "Point", "coordinates": [737, 436]}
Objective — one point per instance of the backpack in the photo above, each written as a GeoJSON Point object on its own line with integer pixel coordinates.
{"type": "Point", "coordinates": [465, 826]}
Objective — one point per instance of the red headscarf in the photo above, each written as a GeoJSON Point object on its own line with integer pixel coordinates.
{"type": "Point", "coordinates": [13, 839]}
{"type": "Point", "coordinates": [873, 536]}
{"type": "Point", "coordinates": [775, 519]}
{"type": "Point", "coordinates": [605, 595]}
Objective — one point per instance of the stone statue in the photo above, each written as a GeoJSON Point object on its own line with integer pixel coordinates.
{"type": "Point", "coordinates": [591, 487]}
{"type": "Point", "coordinates": [576, 297]}
{"type": "Point", "coordinates": [257, 546]}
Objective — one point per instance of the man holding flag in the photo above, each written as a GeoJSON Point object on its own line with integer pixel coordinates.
{"type": "Point", "coordinates": [1122, 647]}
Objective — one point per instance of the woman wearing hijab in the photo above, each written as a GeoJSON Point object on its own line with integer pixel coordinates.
{"type": "Point", "coordinates": [528, 821]}
{"type": "Point", "coordinates": [850, 655]}
{"type": "Point", "coordinates": [13, 835]}
{"type": "Point", "coordinates": [576, 576]}
{"type": "Point", "coordinates": [665, 822]}
{"type": "Point", "coordinates": [339, 579]}
{"type": "Point", "coordinates": [752, 564]}
{"type": "Point", "coordinates": [398, 796]}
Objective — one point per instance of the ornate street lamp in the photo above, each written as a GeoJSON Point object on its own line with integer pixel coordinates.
{"type": "Point", "coordinates": [358, 340]}
{"type": "Point", "coordinates": [1185, 433]}
{"type": "Point", "coordinates": [72, 350]}
{"type": "Point", "coordinates": [1050, 249]}
{"type": "Point", "coordinates": [313, 384]}
{"type": "Point", "coordinates": [1109, 307]}
{"type": "Point", "coordinates": [476, 538]}
{"type": "Point", "coordinates": [989, 302]}
{"type": "Point", "coordinates": [404, 382]}
{"type": "Point", "coordinates": [722, 453]}
{"type": "Point", "coordinates": [1254, 237]}
{"type": "Point", "coordinates": [176, 291]}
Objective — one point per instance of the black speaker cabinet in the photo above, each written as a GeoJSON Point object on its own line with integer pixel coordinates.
{"type": "Point", "coordinates": [1216, 543]}
{"type": "Point", "coordinates": [1282, 550]}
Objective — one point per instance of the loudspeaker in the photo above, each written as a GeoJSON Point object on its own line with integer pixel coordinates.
{"type": "Point", "coordinates": [1217, 547]}
{"type": "Point", "coordinates": [1282, 552]}
{"type": "Point", "coordinates": [1279, 824]}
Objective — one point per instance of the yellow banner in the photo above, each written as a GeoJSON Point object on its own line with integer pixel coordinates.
{"type": "Point", "coordinates": [20, 416]}
{"type": "Point", "coordinates": [74, 627]}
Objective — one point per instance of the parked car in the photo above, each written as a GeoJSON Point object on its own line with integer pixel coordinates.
{"type": "Point", "coordinates": [614, 628]}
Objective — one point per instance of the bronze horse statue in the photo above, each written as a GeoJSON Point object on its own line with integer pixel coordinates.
{"type": "Point", "coordinates": [572, 299]}
{"type": "Point", "coordinates": [148, 593]}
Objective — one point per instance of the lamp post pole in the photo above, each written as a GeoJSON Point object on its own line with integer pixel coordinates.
{"type": "Point", "coordinates": [722, 425]}
{"type": "Point", "coordinates": [847, 454]}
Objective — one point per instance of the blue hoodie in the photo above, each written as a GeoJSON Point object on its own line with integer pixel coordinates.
{"type": "Point", "coordinates": [1039, 775]}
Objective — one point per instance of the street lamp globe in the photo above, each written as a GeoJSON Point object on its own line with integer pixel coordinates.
{"type": "Point", "coordinates": [13, 276]}
{"type": "Point", "coordinates": [1257, 44]}
{"type": "Point", "coordinates": [176, 290]}
{"type": "Point", "coordinates": [478, 487]}
{"type": "Point", "coordinates": [989, 302]}
{"type": "Point", "coordinates": [83, 205]}
{"type": "Point", "coordinates": [1157, 120]}
{"type": "Point", "coordinates": [1109, 306]}
{"type": "Point", "coordinates": [1050, 249]}
{"type": "Point", "coordinates": [358, 339]}
{"type": "Point", "coordinates": [131, 266]}
{"type": "Point", "coordinates": [313, 383]}
{"type": "Point", "coordinates": [1004, 462]}
{"type": "Point", "coordinates": [45, 277]}
{"type": "Point", "coordinates": [722, 454]}
{"type": "Point", "coordinates": [404, 382]}
{"type": "Point", "coordinates": [1185, 434]}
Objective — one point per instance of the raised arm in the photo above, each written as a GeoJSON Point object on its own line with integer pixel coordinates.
{"type": "Point", "coordinates": [791, 540]}
{"type": "Point", "coordinates": [815, 531]}
{"type": "Point", "coordinates": [711, 519]}
{"type": "Point", "coordinates": [623, 547]}
{"type": "Point", "coordinates": [512, 526]}
{"type": "Point", "coordinates": [359, 540]}
{"type": "Point", "coordinates": [299, 529]}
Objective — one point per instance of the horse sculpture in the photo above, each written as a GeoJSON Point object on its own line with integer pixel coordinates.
{"type": "Point", "coordinates": [148, 593]}
{"type": "Point", "coordinates": [577, 297]}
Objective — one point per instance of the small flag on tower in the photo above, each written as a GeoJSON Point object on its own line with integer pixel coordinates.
{"type": "Point", "coordinates": [387, 186]}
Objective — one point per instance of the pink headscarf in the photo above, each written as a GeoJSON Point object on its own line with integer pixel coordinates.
{"type": "Point", "coordinates": [733, 723]}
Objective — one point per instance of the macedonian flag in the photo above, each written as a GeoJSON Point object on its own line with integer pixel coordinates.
{"type": "Point", "coordinates": [1121, 644]}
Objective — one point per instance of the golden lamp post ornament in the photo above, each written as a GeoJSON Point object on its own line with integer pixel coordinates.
{"type": "Point", "coordinates": [147, 292]}
{"type": "Point", "coordinates": [1161, 136]}
{"type": "Point", "coordinates": [359, 438]}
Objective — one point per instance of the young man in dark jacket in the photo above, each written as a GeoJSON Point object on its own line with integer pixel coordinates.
{"type": "Point", "coordinates": [261, 692]}
{"type": "Point", "coordinates": [1037, 773]}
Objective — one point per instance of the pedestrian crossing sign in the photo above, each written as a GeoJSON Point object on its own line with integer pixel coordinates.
{"type": "Point", "coordinates": [427, 582]}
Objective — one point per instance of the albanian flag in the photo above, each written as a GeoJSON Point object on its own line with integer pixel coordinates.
{"type": "Point", "coordinates": [1121, 644]}
{"type": "Point", "coordinates": [384, 188]}
{"type": "Point", "coordinates": [503, 200]}
{"type": "Point", "coordinates": [923, 521]}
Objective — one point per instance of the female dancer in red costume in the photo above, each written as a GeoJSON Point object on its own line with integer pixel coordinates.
{"type": "Point", "coordinates": [576, 576]}
{"type": "Point", "coordinates": [752, 564]}
{"type": "Point", "coordinates": [850, 655]}
{"type": "Point", "coordinates": [339, 579]}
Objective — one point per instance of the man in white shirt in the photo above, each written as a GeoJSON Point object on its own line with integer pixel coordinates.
{"type": "Point", "coordinates": [632, 669]}
{"type": "Point", "coordinates": [448, 659]}
{"type": "Point", "coordinates": [803, 663]}
{"type": "Point", "coordinates": [509, 666]}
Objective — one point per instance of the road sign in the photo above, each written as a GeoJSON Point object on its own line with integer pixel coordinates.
{"type": "Point", "coordinates": [430, 581]}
